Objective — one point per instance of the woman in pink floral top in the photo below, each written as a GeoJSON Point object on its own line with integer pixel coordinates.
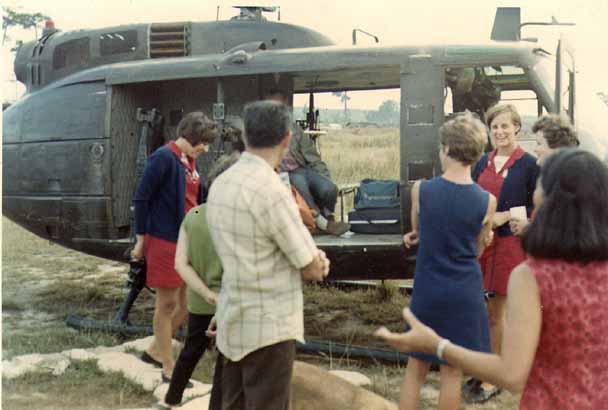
{"type": "Point", "coordinates": [555, 344]}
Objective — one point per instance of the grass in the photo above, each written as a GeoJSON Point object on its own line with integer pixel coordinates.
{"type": "Point", "coordinates": [43, 282]}
{"type": "Point", "coordinates": [83, 385]}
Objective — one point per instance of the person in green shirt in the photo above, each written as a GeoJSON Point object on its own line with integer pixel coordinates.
{"type": "Point", "coordinates": [198, 264]}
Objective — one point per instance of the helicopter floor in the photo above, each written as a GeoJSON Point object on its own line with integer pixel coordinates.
{"type": "Point", "coordinates": [366, 242]}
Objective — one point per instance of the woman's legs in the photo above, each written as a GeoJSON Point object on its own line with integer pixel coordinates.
{"type": "Point", "coordinates": [449, 390]}
{"type": "Point", "coordinates": [496, 315]}
{"type": "Point", "coordinates": [180, 314]}
{"type": "Point", "coordinates": [415, 375]}
{"type": "Point", "coordinates": [164, 310]}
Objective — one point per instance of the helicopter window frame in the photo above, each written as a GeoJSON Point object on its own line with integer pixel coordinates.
{"type": "Point", "coordinates": [117, 42]}
{"type": "Point", "coordinates": [72, 53]}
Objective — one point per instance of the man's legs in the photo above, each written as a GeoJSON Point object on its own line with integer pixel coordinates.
{"type": "Point", "coordinates": [323, 190]}
{"type": "Point", "coordinates": [321, 195]}
{"type": "Point", "coordinates": [261, 380]}
{"type": "Point", "coordinates": [299, 178]}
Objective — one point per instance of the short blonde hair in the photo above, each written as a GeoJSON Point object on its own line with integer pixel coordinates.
{"type": "Point", "coordinates": [465, 137]}
{"type": "Point", "coordinates": [499, 109]}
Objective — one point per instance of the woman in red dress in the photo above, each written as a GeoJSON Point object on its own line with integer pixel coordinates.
{"type": "Point", "coordinates": [510, 175]}
{"type": "Point", "coordinates": [554, 345]}
{"type": "Point", "coordinates": [169, 188]}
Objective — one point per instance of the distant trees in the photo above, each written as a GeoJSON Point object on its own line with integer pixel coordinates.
{"type": "Point", "coordinates": [343, 96]}
{"type": "Point", "coordinates": [12, 18]}
{"type": "Point", "coordinates": [603, 97]}
{"type": "Point", "coordinates": [387, 114]}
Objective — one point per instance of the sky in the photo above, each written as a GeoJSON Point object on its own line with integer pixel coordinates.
{"type": "Point", "coordinates": [393, 21]}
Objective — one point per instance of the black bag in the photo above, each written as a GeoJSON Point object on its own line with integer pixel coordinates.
{"type": "Point", "coordinates": [375, 220]}
{"type": "Point", "coordinates": [377, 193]}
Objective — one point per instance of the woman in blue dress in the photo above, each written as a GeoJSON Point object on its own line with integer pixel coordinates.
{"type": "Point", "coordinates": [451, 223]}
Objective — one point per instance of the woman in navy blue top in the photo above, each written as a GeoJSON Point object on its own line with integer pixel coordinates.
{"type": "Point", "coordinates": [169, 188]}
{"type": "Point", "coordinates": [451, 222]}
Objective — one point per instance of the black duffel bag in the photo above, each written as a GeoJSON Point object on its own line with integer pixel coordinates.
{"type": "Point", "coordinates": [377, 193]}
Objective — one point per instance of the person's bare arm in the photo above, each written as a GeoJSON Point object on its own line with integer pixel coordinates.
{"type": "Point", "coordinates": [318, 269]}
{"type": "Point", "coordinates": [500, 218]}
{"type": "Point", "coordinates": [485, 236]}
{"type": "Point", "coordinates": [188, 274]}
{"type": "Point", "coordinates": [511, 368]}
{"type": "Point", "coordinates": [412, 237]}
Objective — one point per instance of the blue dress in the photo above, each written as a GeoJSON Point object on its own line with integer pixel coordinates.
{"type": "Point", "coordinates": [448, 285]}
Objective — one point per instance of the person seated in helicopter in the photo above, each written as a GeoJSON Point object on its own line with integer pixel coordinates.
{"type": "Point", "coordinates": [310, 176]}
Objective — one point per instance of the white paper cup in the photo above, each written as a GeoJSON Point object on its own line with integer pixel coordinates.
{"type": "Point", "coordinates": [518, 212]}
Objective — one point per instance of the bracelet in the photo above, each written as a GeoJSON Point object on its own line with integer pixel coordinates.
{"type": "Point", "coordinates": [440, 346]}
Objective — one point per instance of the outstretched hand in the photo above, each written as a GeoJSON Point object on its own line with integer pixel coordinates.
{"type": "Point", "coordinates": [420, 338]}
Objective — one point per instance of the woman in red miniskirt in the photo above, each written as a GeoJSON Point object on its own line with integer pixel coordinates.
{"type": "Point", "coordinates": [169, 188]}
{"type": "Point", "coordinates": [508, 173]}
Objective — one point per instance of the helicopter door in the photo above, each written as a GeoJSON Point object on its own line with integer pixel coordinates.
{"type": "Point", "coordinates": [421, 117]}
{"type": "Point", "coordinates": [565, 79]}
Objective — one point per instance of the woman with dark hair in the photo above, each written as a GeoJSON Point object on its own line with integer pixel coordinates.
{"type": "Point", "coordinates": [510, 175]}
{"type": "Point", "coordinates": [554, 344]}
{"type": "Point", "coordinates": [169, 188]}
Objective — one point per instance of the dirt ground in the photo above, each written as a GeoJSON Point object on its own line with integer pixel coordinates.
{"type": "Point", "coordinates": [42, 283]}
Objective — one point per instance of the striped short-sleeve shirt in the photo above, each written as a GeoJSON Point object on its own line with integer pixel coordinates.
{"type": "Point", "coordinates": [262, 243]}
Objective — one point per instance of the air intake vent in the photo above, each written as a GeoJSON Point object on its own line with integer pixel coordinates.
{"type": "Point", "coordinates": [169, 40]}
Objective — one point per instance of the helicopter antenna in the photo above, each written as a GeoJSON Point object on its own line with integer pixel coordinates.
{"type": "Point", "coordinates": [217, 15]}
{"type": "Point", "coordinates": [279, 12]}
{"type": "Point", "coordinates": [364, 32]}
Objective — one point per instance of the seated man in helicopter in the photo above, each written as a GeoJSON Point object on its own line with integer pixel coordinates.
{"type": "Point", "coordinates": [310, 175]}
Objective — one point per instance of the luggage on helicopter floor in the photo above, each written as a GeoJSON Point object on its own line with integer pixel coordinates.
{"type": "Point", "coordinates": [375, 220]}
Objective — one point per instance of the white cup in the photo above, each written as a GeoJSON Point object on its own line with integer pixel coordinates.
{"type": "Point", "coordinates": [518, 212]}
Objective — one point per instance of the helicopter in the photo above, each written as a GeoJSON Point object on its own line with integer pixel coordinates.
{"type": "Point", "coordinates": [98, 101]}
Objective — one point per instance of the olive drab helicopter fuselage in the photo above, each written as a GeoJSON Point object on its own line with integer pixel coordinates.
{"type": "Point", "coordinates": [98, 100]}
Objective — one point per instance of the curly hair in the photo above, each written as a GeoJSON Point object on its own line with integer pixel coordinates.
{"type": "Point", "coordinates": [557, 130]}
{"type": "Point", "coordinates": [465, 136]}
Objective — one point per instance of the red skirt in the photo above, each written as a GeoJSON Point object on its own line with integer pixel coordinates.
{"type": "Point", "coordinates": [160, 264]}
{"type": "Point", "coordinates": [498, 260]}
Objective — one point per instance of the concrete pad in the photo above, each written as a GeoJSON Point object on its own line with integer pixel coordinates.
{"type": "Point", "coordinates": [146, 375]}
{"type": "Point", "coordinates": [355, 378]}
{"type": "Point", "coordinates": [142, 344]}
{"type": "Point", "coordinates": [201, 403]}
{"type": "Point", "coordinates": [79, 354]}
{"type": "Point", "coordinates": [198, 389]}
{"type": "Point", "coordinates": [21, 365]}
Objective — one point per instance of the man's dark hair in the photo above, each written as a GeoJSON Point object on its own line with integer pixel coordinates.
{"type": "Point", "coordinates": [197, 128]}
{"type": "Point", "coordinates": [572, 222]}
{"type": "Point", "coordinates": [557, 131]}
{"type": "Point", "coordinates": [266, 123]}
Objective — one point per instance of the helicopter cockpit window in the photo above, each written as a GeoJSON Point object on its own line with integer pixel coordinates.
{"type": "Point", "coordinates": [73, 53]}
{"type": "Point", "coordinates": [118, 42]}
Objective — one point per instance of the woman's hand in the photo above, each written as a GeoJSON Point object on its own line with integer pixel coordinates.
{"type": "Point", "coordinates": [518, 226]}
{"type": "Point", "coordinates": [420, 338]}
{"type": "Point", "coordinates": [411, 239]}
{"type": "Point", "coordinates": [500, 218]}
{"type": "Point", "coordinates": [210, 296]}
{"type": "Point", "coordinates": [138, 250]}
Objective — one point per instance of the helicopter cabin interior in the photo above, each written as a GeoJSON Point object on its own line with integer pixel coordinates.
{"type": "Point", "coordinates": [429, 93]}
